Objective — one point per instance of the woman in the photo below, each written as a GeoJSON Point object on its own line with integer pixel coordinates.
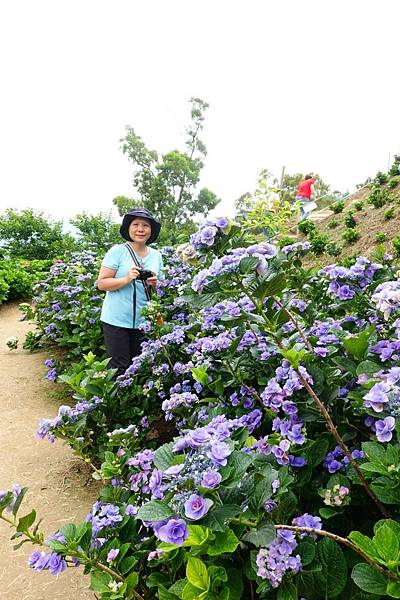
{"type": "Point", "coordinates": [127, 274]}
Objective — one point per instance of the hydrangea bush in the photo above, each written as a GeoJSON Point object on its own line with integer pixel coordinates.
{"type": "Point", "coordinates": [279, 390]}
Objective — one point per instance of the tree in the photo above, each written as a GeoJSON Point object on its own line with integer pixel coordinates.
{"type": "Point", "coordinates": [98, 230]}
{"type": "Point", "coordinates": [166, 184]}
{"type": "Point", "coordinates": [31, 235]}
{"type": "Point", "coordinates": [263, 211]}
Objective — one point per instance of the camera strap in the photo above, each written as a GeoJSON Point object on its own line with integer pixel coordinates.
{"type": "Point", "coordinates": [137, 264]}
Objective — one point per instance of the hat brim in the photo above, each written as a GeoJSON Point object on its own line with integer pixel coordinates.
{"type": "Point", "coordinates": [127, 220]}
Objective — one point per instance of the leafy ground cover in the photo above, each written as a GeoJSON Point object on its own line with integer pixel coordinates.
{"type": "Point", "coordinates": [278, 388]}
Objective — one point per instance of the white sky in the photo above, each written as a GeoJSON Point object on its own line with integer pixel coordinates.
{"type": "Point", "coordinates": [312, 85]}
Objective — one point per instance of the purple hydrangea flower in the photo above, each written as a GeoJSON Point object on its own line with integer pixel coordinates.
{"type": "Point", "coordinates": [174, 531]}
{"type": "Point", "coordinates": [384, 429]}
{"type": "Point", "coordinates": [196, 506]}
{"type": "Point", "coordinates": [211, 479]}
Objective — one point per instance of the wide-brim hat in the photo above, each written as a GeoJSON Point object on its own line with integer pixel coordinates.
{"type": "Point", "coordinates": [143, 213]}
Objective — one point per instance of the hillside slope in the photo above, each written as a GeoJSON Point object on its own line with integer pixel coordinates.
{"type": "Point", "coordinates": [376, 231]}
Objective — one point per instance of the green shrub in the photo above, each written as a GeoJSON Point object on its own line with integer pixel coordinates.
{"type": "Point", "coordinates": [351, 235]}
{"type": "Point", "coordinates": [388, 214]}
{"type": "Point", "coordinates": [286, 241]}
{"type": "Point", "coordinates": [307, 227]}
{"type": "Point", "coordinates": [319, 243]}
{"type": "Point", "coordinates": [349, 220]}
{"type": "Point", "coordinates": [380, 236]}
{"type": "Point", "coordinates": [333, 224]}
{"type": "Point", "coordinates": [381, 178]}
{"type": "Point", "coordinates": [396, 244]}
{"type": "Point", "coordinates": [394, 182]}
{"type": "Point", "coordinates": [21, 276]}
{"type": "Point", "coordinates": [337, 207]}
{"type": "Point", "coordinates": [379, 198]}
{"type": "Point", "coordinates": [333, 249]}
{"type": "Point", "coordinates": [4, 287]}
{"type": "Point", "coordinates": [395, 168]}
{"type": "Point", "coordinates": [359, 205]}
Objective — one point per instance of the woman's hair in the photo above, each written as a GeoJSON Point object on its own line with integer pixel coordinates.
{"type": "Point", "coordinates": [308, 176]}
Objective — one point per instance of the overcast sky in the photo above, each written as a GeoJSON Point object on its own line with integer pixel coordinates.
{"type": "Point", "coordinates": [312, 85]}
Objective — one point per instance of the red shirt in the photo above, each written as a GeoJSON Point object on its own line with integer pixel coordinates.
{"type": "Point", "coordinates": [304, 188]}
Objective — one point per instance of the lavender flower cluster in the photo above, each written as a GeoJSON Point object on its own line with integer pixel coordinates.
{"type": "Point", "coordinates": [345, 282]}
{"type": "Point", "coordinates": [231, 261]}
{"type": "Point", "coordinates": [209, 232]}
{"type": "Point", "coordinates": [65, 416]}
{"type": "Point", "coordinates": [387, 298]}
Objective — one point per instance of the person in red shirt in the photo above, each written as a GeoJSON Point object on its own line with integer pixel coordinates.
{"type": "Point", "coordinates": [305, 191]}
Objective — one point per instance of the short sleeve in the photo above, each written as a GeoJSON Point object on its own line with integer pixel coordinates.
{"type": "Point", "coordinates": [112, 259]}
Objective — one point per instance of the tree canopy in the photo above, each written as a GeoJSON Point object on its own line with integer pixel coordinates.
{"type": "Point", "coordinates": [31, 235]}
{"type": "Point", "coordinates": [96, 230]}
{"type": "Point", "coordinates": [167, 183]}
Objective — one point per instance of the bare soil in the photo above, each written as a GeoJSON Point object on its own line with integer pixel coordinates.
{"type": "Point", "coordinates": [60, 486]}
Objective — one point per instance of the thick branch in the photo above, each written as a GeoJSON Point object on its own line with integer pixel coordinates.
{"type": "Point", "coordinates": [332, 429]}
{"type": "Point", "coordinates": [340, 540]}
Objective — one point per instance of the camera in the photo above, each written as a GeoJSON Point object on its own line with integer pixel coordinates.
{"type": "Point", "coordinates": [144, 274]}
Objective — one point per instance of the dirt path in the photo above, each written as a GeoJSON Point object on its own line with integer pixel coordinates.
{"type": "Point", "coordinates": [56, 479]}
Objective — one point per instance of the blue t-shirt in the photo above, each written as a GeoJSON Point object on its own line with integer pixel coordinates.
{"type": "Point", "coordinates": [118, 305]}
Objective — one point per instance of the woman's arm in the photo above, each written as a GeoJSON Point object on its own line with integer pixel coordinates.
{"type": "Point", "coordinates": [107, 282]}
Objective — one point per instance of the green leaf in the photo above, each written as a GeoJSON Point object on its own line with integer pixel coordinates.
{"type": "Point", "coordinates": [217, 518]}
{"type": "Point", "coordinates": [198, 535]}
{"type": "Point", "coordinates": [18, 501]}
{"type": "Point", "coordinates": [131, 581]}
{"type": "Point", "coordinates": [393, 589]}
{"type": "Point", "coordinates": [333, 577]}
{"type": "Point", "coordinates": [154, 511]}
{"type": "Point", "coordinates": [387, 543]}
{"type": "Point", "coordinates": [191, 592]}
{"type": "Point", "coordinates": [200, 375]}
{"type": "Point", "coordinates": [239, 462]}
{"type": "Point", "coordinates": [69, 531]}
{"type": "Point", "coordinates": [374, 451]}
{"type": "Point", "coordinates": [127, 564]}
{"type": "Point", "coordinates": [287, 591]}
{"type": "Point", "coordinates": [225, 541]}
{"type": "Point", "coordinates": [293, 356]}
{"type": "Point", "coordinates": [368, 367]}
{"type": "Point", "coordinates": [271, 287]}
{"type": "Point", "coordinates": [248, 264]}
{"type": "Point", "coordinates": [369, 580]}
{"type": "Point", "coordinates": [306, 551]}
{"type": "Point", "coordinates": [364, 543]}
{"type": "Point", "coordinates": [164, 457]}
{"type": "Point", "coordinates": [357, 345]}
{"type": "Point", "coordinates": [155, 579]}
{"type": "Point", "coordinates": [317, 452]}
{"type": "Point", "coordinates": [197, 574]}
{"type": "Point", "coordinates": [177, 587]}
{"type": "Point", "coordinates": [386, 491]}
{"type": "Point", "coordinates": [262, 536]}
{"type": "Point", "coordinates": [328, 513]}
{"type": "Point", "coordinates": [235, 583]}
{"type": "Point", "coordinates": [25, 522]}
{"type": "Point", "coordinates": [99, 582]}
{"type": "Point", "coordinates": [164, 594]}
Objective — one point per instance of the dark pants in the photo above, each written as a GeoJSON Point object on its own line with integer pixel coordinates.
{"type": "Point", "coordinates": [122, 344]}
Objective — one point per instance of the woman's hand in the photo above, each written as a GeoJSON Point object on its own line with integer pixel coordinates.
{"type": "Point", "coordinates": [152, 281]}
{"type": "Point", "coordinates": [133, 274]}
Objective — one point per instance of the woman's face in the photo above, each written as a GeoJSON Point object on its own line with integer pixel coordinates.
{"type": "Point", "coordinates": [139, 230]}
